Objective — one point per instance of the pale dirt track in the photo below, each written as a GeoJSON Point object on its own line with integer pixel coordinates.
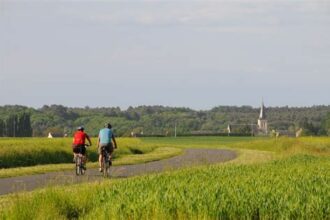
{"type": "Point", "coordinates": [191, 157]}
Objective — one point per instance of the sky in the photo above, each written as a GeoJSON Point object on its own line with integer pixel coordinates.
{"type": "Point", "coordinates": [195, 54]}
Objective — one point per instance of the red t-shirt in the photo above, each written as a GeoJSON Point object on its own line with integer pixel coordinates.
{"type": "Point", "coordinates": [79, 138]}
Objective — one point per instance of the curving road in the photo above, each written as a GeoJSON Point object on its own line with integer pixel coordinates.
{"type": "Point", "coordinates": [191, 157]}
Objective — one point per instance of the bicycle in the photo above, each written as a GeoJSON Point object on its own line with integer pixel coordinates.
{"type": "Point", "coordinates": [79, 162]}
{"type": "Point", "coordinates": [106, 162]}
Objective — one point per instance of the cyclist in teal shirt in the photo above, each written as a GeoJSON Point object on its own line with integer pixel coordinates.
{"type": "Point", "coordinates": [106, 140]}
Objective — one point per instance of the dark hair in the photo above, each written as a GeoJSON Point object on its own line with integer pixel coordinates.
{"type": "Point", "coordinates": [107, 125]}
{"type": "Point", "coordinates": [80, 128]}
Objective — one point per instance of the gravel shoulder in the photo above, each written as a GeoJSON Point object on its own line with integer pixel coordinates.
{"type": "Point", "coordinates": [190, 157]}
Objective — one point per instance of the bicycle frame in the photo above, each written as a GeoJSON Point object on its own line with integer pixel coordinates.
{"type": "Point", "coordinates": [79, 163]}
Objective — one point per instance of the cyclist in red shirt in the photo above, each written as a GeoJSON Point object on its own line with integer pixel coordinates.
{"type": "Point", "coordinates": [78, 145]}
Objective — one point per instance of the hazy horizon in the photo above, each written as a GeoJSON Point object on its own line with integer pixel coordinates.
{"type": "Point", "coordinates": [194, 54]}
{"type": "Point", "coordinates": [123, 109]}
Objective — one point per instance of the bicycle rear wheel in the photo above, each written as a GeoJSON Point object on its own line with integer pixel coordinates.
{"type": "Point", "coordinates": [106, 167]}
{"type": "Point", "coordinates": [82, 168]}
{"type": "Point", "coordinates": [78, 165]}
{"type": "Point", "coordinates": [107, 171]}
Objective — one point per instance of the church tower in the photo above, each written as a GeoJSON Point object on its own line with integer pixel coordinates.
{"type": "Point", "coordinates": [262, 121]}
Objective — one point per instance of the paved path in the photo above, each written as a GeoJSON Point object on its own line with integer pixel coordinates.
{"type": "Point", "coordinates": [191, 157]}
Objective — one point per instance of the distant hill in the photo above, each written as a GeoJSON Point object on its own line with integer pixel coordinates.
{"type": "Point", "coordinates": [160, 120]}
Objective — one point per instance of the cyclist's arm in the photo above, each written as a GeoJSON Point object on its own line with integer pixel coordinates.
{"type": "Point", "coordinates": [114, 140]}
{"type": "Point", "coordinates": [89, 140]}
{"type": "Point", "coordinates": [98, 142]}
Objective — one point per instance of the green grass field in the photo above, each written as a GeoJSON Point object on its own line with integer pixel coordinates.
{"type": "Point", "coordinates": [18, 152]}
{"type": "Point", "coordinates": [283, 178]}
{"type": "Point", "coordinates": [26, 156]}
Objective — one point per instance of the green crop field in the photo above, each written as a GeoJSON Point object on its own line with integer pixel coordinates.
{"type": "Point", "coordinates": [24, 156]}
{"type": "Point", "coordinates": [18, 152]}
{"type": "Point", "coordinates": [283, 178]}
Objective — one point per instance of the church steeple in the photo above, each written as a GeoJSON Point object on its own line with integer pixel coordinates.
{"type": "Point", "coordinates": [262, 121]}
{"type": "Point", "coordinates": [262, 111]}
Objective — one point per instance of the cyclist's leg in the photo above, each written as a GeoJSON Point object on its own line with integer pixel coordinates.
{"type": "Point", "coordinates": [83, 153]}
{"type": "Point", "coordinates": [110, 151]}
{"type": "Point", "coordinates": [75, 151]}
{"type": "Point", "coordinates": [100, 157]}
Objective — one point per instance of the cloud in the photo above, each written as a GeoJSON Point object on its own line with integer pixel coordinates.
{"type": "Point", "coordinates": [314, 6]}
{"type": "Point", "coordinates": [167, 13]}
{"type": "Point", "coordinates": [255, 16]}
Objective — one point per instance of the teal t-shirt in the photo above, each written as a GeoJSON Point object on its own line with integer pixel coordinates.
{"type": "Point", "coordinates": [105, 136]}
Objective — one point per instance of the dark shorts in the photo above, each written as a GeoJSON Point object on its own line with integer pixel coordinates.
{"type": "Point", "coordinates": [79, 149]}
{"type": "Point", "coordinates": [107, 147]}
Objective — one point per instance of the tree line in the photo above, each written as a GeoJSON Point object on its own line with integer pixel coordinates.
{"type": "Point", "coordinates": [16, 125]}
{"type": "Point", "coordinates": [18, 120]}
